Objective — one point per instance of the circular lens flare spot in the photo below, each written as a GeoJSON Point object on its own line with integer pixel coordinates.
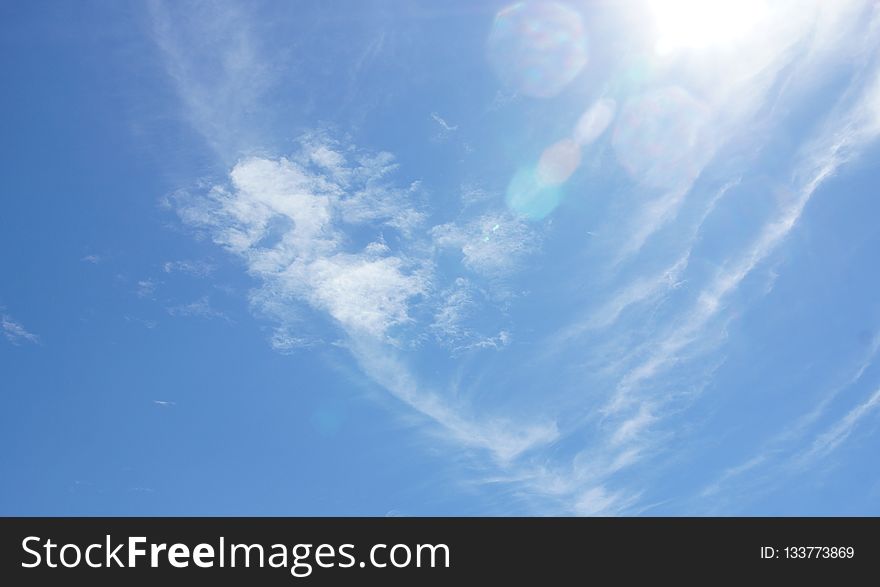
{"type": "Point", "coordinates": [530, 197]}
{"type": "Point", "coordinates": [537, 47]}
{"type": "Point", "coordinates": [558, 162]}
{"type": "Point", "coordinates": [594, 121]}
{"type": "Point", "coordinates": [661, 137]}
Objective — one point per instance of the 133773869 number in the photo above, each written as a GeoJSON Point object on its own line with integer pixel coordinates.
{"type": "Point", "coordinates": [818, 552]}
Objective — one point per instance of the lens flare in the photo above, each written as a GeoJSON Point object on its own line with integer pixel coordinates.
{"type": "Point", "coordinates": [530, 197]}
{"type": "Point", "coordinates": [594, 121]}
{"type": "Point", "coordinates": [537, 47]}
{"type": "Point", "coordinates": [558, 162]}
{"type": "Point", "coordinates": [661, 137]}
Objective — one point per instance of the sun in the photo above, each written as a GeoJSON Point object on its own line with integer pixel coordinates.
{"type": "Point", "coordinates": [698, 24]}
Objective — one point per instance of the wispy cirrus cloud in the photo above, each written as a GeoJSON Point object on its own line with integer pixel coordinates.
{"type": "Point", "coordinates": [784, 452]}
{"type": "Point", "coordinates": [145, 288]}
{"type": "Point", "coordinates": [213, 55]}
{"type": "Point", "coordinates": [445, 129]}
{"type": "Point", "coordinates": [491, 244]}
{"type": "Point", "coordinates": [643, 389]}
{"type": "Point", "coordinates": [855, 124]}
{"type": "Point", "coordinates": [15, 332]}
{"type": "Point", "coordinates": [443, 124]}
{"type": "Point", "coordinates": [195, 268]}
{"type": "Point", "coordinates": [829, 440]}
{"type": "Point", "coordinates": [504, 439]}
{"type": "Point", "coordinates": [200, 308]}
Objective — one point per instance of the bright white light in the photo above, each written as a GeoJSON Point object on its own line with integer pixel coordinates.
{"type": "Point", "coordinates": [696, 24]}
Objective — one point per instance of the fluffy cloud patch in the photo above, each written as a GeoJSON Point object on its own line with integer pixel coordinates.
{"type": "Point", "coordinates": [293, 219]}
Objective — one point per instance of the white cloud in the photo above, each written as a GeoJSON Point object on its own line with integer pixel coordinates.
{"type": "Point", "coordinates": [213, 54]}
{"type": "Point", "coordinates": [443, 124]}
{"type": "Point", "coordinates": [284, 342]}
{"type": "Point", "coordinates": [505, 440]}
{"type": "Point", "coordinates": [453, 317]}
{"type": "Point", "coordinates": [781, 452]}
{"type": "Point", "coordinates": [641, 290]}
{"type": "Point", "coordinates": [148, 324]}
{"type": "Point", "coordinates": [472, 195]}
{"type": "Point", "coordinates": [196, 268]}
{"type": "Point", "coordinates": [492, 244]}
{"type": "Point", "coordinates": [597, 501]}
{"type": "Point", "coordinates": [499, 341]}
{"type": "Point", "coordinates": [828, 441]}
{"type": "Point", "coordinates": [145, 288]}
{"type": "Point", "coordinates": [200, 308]}
{"type": "Point", "coordinates": [445, 129]}
{"type": "Point", "coordinates": [287, 220]}
{"type": "Point", "coordinates": [449, 317]}
{"type": "Point", "coordinates": [381, 203]}
{"type": "Point", "coordinates": [15, 332]}
{"type": "Point", "coordinates": [363, 295]}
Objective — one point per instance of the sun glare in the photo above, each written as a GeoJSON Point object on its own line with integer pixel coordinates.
{"type": "Point", "coordinates": [697, 24]}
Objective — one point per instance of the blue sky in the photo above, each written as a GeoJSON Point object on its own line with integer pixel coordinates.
{"type": "Point", "coordinates": [459, 258]}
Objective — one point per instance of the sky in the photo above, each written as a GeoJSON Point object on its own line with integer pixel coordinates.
{"type": "Point", "coordinates": [401, 258]}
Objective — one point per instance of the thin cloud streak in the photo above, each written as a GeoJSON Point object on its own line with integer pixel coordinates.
{"type": "Point", "coordinates": [832, 438]}
{"type": "Point", "coordinates": [15, 332]}
{"type": "Point", "coordinates": [779, 450]}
